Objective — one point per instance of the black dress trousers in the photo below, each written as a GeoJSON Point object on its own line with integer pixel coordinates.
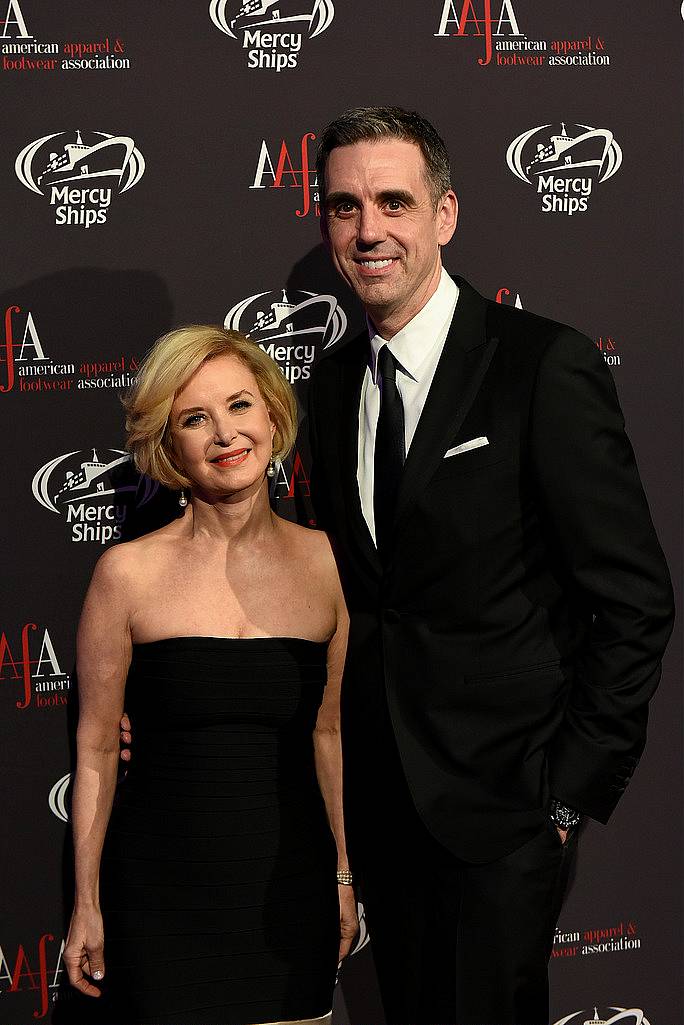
{"type": "Point", "coordinates": [455, 943]}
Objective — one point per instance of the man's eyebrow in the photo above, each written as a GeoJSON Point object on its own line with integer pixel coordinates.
{"type": "Point", "coordinates": [334, 199]}
{"type": "Point", "coordinates": [401, 194]}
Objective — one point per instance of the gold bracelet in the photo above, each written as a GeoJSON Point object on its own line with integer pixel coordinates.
{"type": "Point", "coordinates": [344, 877]}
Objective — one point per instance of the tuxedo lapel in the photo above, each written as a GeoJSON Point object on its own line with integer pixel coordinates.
{"type": "Point", "coordinates": [464, 361]}
{"type": "Point", "coordinates": [354, 368]}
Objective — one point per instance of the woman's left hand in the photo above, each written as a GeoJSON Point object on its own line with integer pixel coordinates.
{"type": "Point", "coordinates": [349, 919]}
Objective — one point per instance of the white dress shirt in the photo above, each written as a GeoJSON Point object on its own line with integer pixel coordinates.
{"type": "Point", "coordinates": [416, 349]}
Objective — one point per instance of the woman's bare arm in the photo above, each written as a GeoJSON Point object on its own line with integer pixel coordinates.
{"type": "Point", "coordinates": [328, 752]}
{"type": "Point", "coordinates": [103, 658]}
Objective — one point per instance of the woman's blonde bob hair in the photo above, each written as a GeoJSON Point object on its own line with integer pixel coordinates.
{"type": "Point", "coordinates": [168, 366]}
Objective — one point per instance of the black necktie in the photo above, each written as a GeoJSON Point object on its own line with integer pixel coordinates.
{"type": "Point", "coordinates": [389, 448]}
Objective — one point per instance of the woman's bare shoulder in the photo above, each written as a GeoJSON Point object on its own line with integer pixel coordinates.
{"type": "Point", "coordinates": [314, 541]}
{"type": "Point", "coordinates": [311, 546]}
{"type": "Point", "coordinates": [128, 561]}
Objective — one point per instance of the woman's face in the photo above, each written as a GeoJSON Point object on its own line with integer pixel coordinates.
{"type": "Point", "coordinates": [221, 432]}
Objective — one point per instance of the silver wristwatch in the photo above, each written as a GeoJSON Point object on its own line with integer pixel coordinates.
{"type": "Point", "coordinates": [563, 816]}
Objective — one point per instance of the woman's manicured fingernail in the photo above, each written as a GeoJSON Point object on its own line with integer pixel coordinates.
{"type": "Point", "coordinates": [98, 975]}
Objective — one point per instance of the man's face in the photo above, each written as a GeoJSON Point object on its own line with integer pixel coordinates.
{"type": "Point", "coordinates": [382, 228]}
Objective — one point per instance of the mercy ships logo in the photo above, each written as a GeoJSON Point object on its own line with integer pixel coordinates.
{"type": "Point", "coordinates": [95, 495]}
{"type": "Point", "coordinates": [564, 167]}
{"type": "Point", "coordinates": [291, 328]}
{"type": "Point", "coordinates": [272, 31]}
{"type": "Point", "coordinates": [363, 937]}
{"type": "Point", "coordinates": [80, 179]}
{"type": "Point", "coordinates": [623, 1015]}
{"type": "Point", "coordinates": [59, 798]}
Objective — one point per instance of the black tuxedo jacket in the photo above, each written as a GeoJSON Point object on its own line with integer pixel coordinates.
{"type": "Point", "coordinates": [518, 623]}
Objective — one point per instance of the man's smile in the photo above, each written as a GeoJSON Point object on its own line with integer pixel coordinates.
{"type": "Point", "coordinates": [367, 265]}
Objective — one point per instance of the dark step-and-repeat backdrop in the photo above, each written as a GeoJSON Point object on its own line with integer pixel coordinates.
{"type": "Point", "coordinates": [157, 169]}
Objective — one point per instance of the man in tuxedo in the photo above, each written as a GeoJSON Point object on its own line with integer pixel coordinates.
{"type": "Point", "coordinates": [509, 601]}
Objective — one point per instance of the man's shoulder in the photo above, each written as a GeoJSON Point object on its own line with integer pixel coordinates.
{"type": "Point", "coordinates": [352, 351]}
{"type": "Point", "coordinates": [513, 322]}
{"type": "Point", "coordinates": [529, 332]}
{"type": "Point", "coordinates": [348, 350]}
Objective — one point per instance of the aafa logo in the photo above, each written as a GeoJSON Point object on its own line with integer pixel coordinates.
{"type": "Point", "coordinates": [477, 20]}
{"type": "Point", "coordinates": [36, 967]}
{"type": "Point", "coordinates": [22, 52]}
{"type": "Point", "coordinates": [14, 17]}
{"type": "Point", "coordinates": [27, 343]}
{"type": "Point", "coordinates": [26, 363]}
{"type": "Point", "coordinates": [290, 327]}
{"type": "Point", "coordinates": [36, 668]}
{"type": "Point", "coordinates": [81, 179]}
{"type": "Point", "coordinates": [504, 298]}
{"type": "Point", "coordinates": [613, 1015]}
{"type": "Point", "coordinates": [284, 174]}
{"type": "Point", "coordinates": [82, 486]}
{"type": "Point", "coordinates": [608, 346]}
{"type": "Point", "coordinates": [564, 167]}
{"type": "Point", "coordinates": [272, 31]}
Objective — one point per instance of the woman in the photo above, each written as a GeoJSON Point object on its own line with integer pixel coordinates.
{"type": "Point", "coordinates": [226, 629]}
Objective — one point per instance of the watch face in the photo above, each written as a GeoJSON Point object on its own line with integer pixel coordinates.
{"type": "Point", "coordinates": [563, 816]}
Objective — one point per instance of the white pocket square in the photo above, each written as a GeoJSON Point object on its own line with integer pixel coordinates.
{"type": "Point", "coordinates": [466, 447]}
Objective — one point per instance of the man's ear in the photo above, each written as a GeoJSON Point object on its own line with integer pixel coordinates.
{"type": "Point", "coordinates": [448, 216]}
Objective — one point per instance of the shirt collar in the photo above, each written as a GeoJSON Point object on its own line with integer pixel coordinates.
{"type": "Point", "coordinates": [412, 346]}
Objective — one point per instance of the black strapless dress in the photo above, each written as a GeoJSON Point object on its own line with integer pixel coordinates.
{"type": "Point", "coordinates": [218, 874]}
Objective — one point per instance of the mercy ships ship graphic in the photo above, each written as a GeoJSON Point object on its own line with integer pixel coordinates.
{"type": "Point", "coordinates": [274, 11]}
{"type": "Point", "coordinates": [566, 154]}
{"type": "Point", "coordinates": [623, 1016]}
{"type": "Point", "coordinates": [284, 319]}
{"type": "Point", "coordinates": [627, 1016]}
{"type": "Point", "coordinates": [107, 158]}
{"type": "Point", "coordinates": [92, 472]}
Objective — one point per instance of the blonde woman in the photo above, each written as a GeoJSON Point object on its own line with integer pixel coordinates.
{"type": "Point", "coordinates": [216, 892]}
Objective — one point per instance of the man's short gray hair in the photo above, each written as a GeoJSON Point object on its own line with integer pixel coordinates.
{"type": "Point", "coordinates": [361, 124]}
